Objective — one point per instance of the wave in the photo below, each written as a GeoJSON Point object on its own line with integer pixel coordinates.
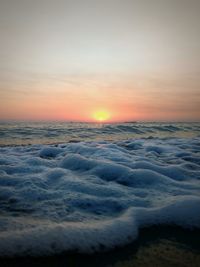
{"type": "Point", "coordinates": [49, 133]}
{"type": "Point", "coordinates": [91, 196]}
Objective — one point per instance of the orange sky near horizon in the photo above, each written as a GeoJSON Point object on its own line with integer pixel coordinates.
{"type": "Point", "coordinates": [128, 101]}
{"type": "Point", "coordinates": [74, 60]}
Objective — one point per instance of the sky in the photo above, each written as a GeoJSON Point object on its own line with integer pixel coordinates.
{"type": "Point", "coordinates": [88, 60]}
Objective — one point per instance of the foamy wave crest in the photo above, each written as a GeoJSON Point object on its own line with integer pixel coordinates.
{"type": "Point", "coordinates": [92, 196]}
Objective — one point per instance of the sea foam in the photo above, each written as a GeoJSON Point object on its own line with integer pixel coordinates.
{"type": "Point", "coordinates": [91, 196]}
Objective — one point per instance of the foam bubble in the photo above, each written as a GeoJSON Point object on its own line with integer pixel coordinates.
{"type": "Point", "coordinates": [96, 195]}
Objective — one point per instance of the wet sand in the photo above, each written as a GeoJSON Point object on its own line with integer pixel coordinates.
{"type": "Point", "coordinates": [156, 246]}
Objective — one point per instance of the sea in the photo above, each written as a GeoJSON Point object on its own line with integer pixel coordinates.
{"type": "Point", "coordinates": [88, 187]}
{"type": "Point", "coordinates": [26, 133]}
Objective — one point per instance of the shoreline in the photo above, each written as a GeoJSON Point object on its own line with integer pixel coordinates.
{"type": "Point", "coordinates": [160, 245]}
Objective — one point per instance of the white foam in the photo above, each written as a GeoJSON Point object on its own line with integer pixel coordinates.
{"type": "Point", "coordinates": [94, 196]}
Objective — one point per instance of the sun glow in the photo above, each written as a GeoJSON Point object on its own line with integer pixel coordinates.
{"type": "Point", "coordinates": [101, 115]}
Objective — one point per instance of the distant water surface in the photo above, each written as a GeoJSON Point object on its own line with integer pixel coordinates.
{"type": "Point", "coordinates": [23, 133]}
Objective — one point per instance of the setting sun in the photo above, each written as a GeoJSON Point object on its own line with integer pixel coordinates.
{"type": "Point", "coordinates": [101, 115]}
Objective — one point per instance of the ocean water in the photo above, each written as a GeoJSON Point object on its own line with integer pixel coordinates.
{"type": "Point", "coordinates": [24, 133]}
{"type": "Point", "coordinates": [90, 187]}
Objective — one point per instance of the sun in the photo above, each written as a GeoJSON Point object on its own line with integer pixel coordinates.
{"type": "Point", "coordinates": [101, 115]}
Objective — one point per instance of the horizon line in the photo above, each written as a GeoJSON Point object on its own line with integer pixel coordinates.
{"type": "Point", "coordinates": [98, 122]}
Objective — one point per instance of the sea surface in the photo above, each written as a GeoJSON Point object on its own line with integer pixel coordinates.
{"type": "Point", "coordinates": [92, 187]}
{"type": "Point", "coordinates": [24, 133]}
